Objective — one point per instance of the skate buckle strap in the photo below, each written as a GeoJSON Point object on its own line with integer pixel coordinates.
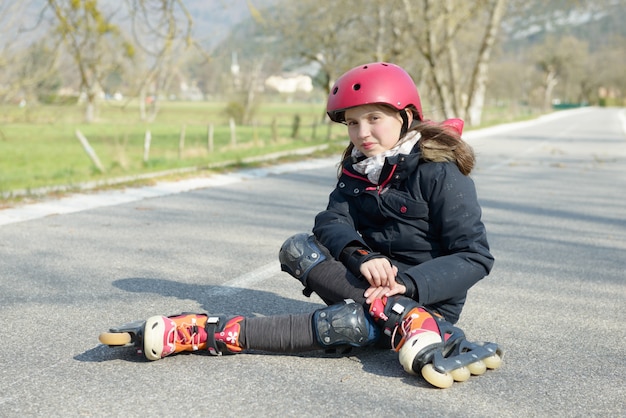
{"type": "Point", "coordinates": [398, 309]}
{"type": "Point", "coordinates": [212, 323]}
{"type": "Point", "coordinates": [388, 313]}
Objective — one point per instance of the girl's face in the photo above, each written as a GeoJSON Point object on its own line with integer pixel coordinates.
{"type": "Point", "coordinates": [373, 129]}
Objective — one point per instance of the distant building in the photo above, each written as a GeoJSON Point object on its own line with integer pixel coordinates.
{"type": "Point", "coordinates": [290, 83]}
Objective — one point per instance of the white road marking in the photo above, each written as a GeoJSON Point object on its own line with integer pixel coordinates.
{"type": "Point", "coordinates": [244, 281]}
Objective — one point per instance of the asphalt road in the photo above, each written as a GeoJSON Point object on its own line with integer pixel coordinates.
{"type": "Point", "coordinates": [553, 201]}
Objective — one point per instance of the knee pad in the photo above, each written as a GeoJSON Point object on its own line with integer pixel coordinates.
{"type": "Point", "coordinates": [299, 254]}
{"type": "Point", "coordinates": [344, 324]}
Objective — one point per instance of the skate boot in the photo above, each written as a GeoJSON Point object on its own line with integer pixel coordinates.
{"type": "Point", "coordinates": [161, 336]}
{"type": "Point", "coordinates": [428, 344]}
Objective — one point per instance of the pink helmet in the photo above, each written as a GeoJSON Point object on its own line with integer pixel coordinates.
{"type": "Point", "coordinates": [375, 83]}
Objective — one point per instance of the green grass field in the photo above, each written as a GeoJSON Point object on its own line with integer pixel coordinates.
{"type": "Point", "coordinates": [40, 151]}
{"type": "Point", "coordinates": [39, 147]}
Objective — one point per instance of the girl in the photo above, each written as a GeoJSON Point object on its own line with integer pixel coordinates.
{"type": "Point", "coordinates": [393, 255]}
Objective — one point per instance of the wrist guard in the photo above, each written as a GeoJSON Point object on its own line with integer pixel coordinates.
{"type": "Point", "coordinates": [409, 284]}
{"type": "Point", "coordinates": [354, 257]}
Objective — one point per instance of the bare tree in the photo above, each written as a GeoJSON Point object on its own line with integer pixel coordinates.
{"type": "Point", "coordinates": [93, 42]}
{"type": "Point", "coordinates": [424, 37]}
{"type": "Point", "coordinates": [9, 20]}
{"type": "Point", "coordinates": [478, 83]}
{"type": "Point", "coordinates": [436, 29]}
{"type": "Point", "coordinates": [380, 35]}
{"type": "Point", "coordinates": [162, 30]}
{"type": "Point", "coordinates": [606, 66]}
{"type": "Point", "coordinates": [321, 34]}
{"type": "Point", "coordinates": [569, 48]}
{"type": "Point", "coordinates": [27, 59]}
{"type": "Point", "coordinates": [556, 60]}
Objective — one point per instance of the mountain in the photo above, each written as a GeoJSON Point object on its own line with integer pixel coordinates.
{"type": "Point", "coordinates": [593, 21]}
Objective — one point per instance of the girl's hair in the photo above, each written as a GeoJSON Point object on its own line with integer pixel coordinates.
{"type": "Point", "coordinates": [438, 143]}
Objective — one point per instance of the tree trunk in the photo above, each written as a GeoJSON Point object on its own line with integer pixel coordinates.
{"type": "Point", "coordinates": [550, 82]}
{"type": "Point", "coordinates": [438, 77]}
{"type": "Point", "coordinates": [380, 34]}
{"type": "Point", "coordinates": [142, 103]}
{"type": "Point", "coordinates": [90, 108]}
{"type": "Point", "coordinates": [453, 62]}
{"type": "Point", "coordinates": [478, 85]}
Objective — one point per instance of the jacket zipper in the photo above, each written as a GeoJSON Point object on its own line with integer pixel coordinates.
{"type": "Point", "coordinates": [379, 188]}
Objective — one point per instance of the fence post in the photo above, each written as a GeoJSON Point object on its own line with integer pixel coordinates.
{"type": "Point", "coordinates": [295, 129]}
{"type": "Point", "coordinates": [255, 132]}
{"type": "Point", "coordinates": [181, 142]}
{"type": "Point", "coordinates": [233, 135]}
{"type": "Point", "coordinates": [314, 129]}
{"type": "Point", "coordinates": [274, 130]}
{"type": "Point", "coordinates": [146, 146]}
{"type": "Point", "coordinates": [90, 151]}
{"type": "Point", "coordinates": [210, 138]}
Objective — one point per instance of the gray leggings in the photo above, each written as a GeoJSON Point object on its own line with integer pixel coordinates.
{"type": "Point", "coordinates": [294, 333]}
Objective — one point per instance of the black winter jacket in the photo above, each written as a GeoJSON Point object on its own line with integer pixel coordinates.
{"type": "Point", "coordinates": [424, 217]}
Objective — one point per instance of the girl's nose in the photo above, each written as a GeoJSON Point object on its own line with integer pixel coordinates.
{"type": "Point", "coordinates": [364, 131]}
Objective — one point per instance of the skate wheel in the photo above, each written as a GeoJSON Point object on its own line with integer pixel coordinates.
{"type": "Point", "coordinates": [477, 368]}
{"type": "Point", "coordinates": [493, 362]}
{"type": "Point", "coordinates": [435, 378]}
{"type": "Point", "coordinates": [461, 374]}
{"type": "Point", "coordinates": [114, 339]}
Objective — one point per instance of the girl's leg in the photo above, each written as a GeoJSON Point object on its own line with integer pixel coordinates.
{"type": "Point", "coordinates": [310, 263]}
{"type": "Point", "coordinates": [342, 324]}
{"type": "Point", "coordinates": [294, 333]}
{"type": "Point", "coordinates": [279, 334]}
{"type": "Point", "coordinates": [166, 335]}
{"type": "Point", "coordinates": [307, 260]}
{"type": "Point", "coordinates": [334, 283]}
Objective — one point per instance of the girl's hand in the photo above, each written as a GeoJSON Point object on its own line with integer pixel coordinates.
{"type": "Point", "coordinates": [379, 272]}
{"type": "Point", "coordinates": [381, 275]}
{"type": "Point", "coordinates": [378, 292]}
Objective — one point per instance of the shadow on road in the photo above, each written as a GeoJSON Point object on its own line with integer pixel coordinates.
{"type": "Point", "coordinates": [219, 299]}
